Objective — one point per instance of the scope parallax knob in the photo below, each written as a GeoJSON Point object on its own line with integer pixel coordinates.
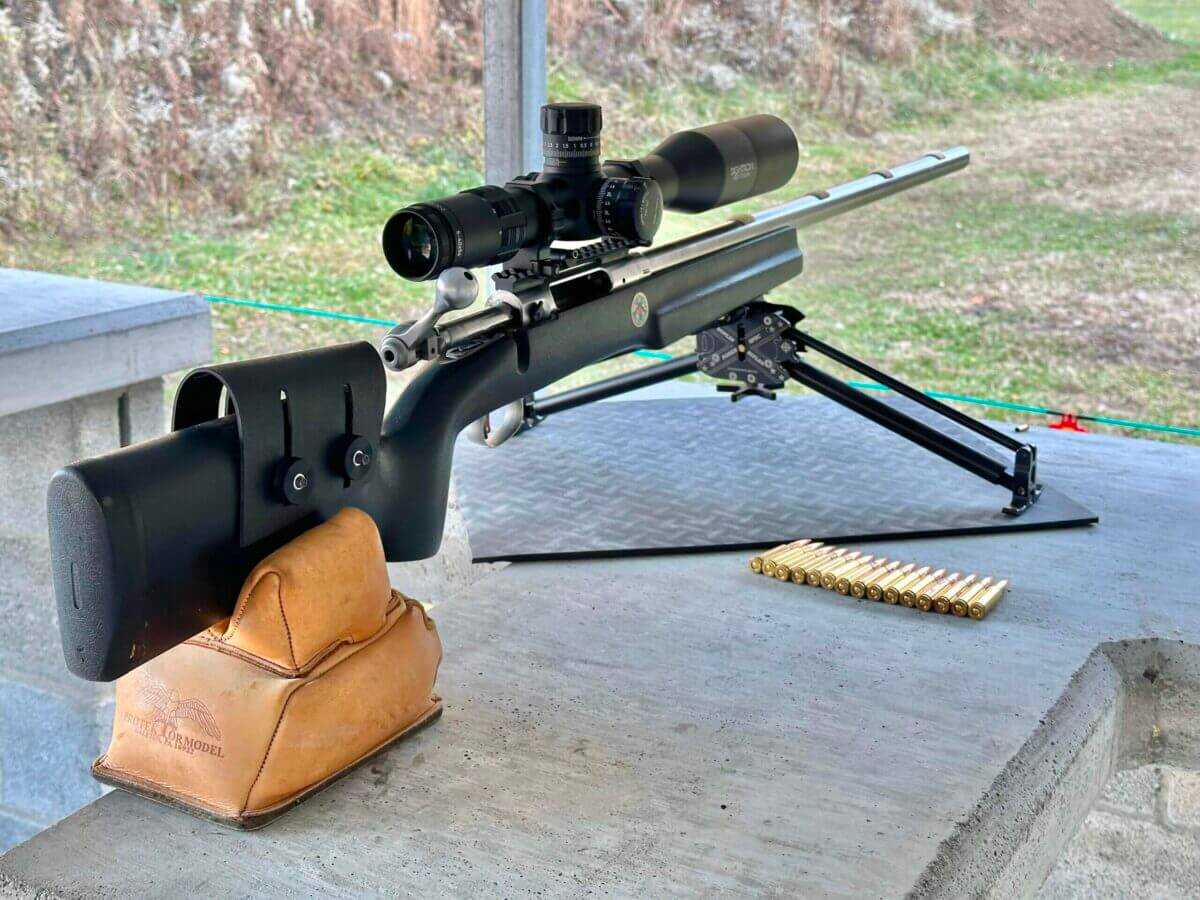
{"type": "Point", "coordinates": [630, 208]}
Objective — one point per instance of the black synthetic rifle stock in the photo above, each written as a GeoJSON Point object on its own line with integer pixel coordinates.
{"type": "Point", "coordinates": [149, 543]}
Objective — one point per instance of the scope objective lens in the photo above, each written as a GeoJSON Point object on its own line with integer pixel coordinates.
{"type": "Point", "coordinates": [479, 227]}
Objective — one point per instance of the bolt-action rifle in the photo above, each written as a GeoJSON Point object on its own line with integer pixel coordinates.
{"type": "Point", "coordinates": [149, 543]}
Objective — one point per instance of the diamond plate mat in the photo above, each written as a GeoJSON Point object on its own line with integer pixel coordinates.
{"type": "Point", "coordinates": [654, 476]}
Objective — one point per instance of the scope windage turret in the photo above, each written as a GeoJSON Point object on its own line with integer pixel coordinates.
{"type": "Point", "coordinates": [575, 198]}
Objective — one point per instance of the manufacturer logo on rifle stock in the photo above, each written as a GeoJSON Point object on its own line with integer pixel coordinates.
{"type": "Point", "coordinates": [168, 712]}
{"type": "Point", "coordinates": [639, 310]}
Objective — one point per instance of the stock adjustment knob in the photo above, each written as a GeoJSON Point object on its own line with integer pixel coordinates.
{"type": "Point", "coordinates": [294, 479]}
{"type": "Point", "coordinates": [630, 208]}
{"type": "Point", "coordinates": [354, 457]}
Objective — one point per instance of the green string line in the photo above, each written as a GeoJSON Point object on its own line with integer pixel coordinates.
{"type": "Point", "coordinates": [1039, 410]}
{"type": "Point", "coordinates": [298, 310]}
{"type": "Point", "coordinates": [964, 398]}
{"type": "Point", "coordinates": [348, 317]}
{"type": "Point", "coordinates": [655, 354]}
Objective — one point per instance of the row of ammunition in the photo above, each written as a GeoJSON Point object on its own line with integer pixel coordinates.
{"type": "Point", "coordinates": [856, 574]}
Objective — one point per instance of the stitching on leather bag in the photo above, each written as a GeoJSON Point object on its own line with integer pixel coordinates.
{"type": "Point", "coordinates": [167, 790]}
{"type": "Point", "coordinates": [393, 602]}
{"type": "Point", "coordinates": [286, 628]}
{"type": "Point", "coordinates": [298, 671]}
{"type": "Point", "coordinates": [237, 621]}
{"type": "Point", "coordinates": [287, 802]}
{"type": "Point", "coordinates": [434, 698]}
{"type": "Point", "coordinates": [241, 612]}
{"type": "Point", "coordinates": [271, 743]}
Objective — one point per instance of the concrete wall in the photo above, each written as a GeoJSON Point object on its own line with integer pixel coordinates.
{"type": "Point", "coordinates": [81, 366]}
{"type": "Point", "coordinates": [51, 725]}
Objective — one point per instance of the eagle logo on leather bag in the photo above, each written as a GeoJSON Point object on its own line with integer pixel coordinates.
{"type": "Point", "coordinates": [169, 708]}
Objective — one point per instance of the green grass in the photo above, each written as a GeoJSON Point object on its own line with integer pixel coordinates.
{"type": "Point", "coordinates": [318, 242]}
{"type": "Point", "coordinates": [999, 352]}
{"type": "Point", "coordinates": [1179, 19]}
{"type": "Point", "coordinates": [941, 84]}
{"type": "Point", "coordinates": [321, 250]}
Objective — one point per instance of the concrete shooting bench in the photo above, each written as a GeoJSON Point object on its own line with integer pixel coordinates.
{"type": "Point", "coordinates": [676, 725]}
{"type": "Point", "coordinates": [81, 366]}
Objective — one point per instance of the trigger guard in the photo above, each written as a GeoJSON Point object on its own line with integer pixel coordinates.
{"type": "Point", "coordinates": [481, 430]}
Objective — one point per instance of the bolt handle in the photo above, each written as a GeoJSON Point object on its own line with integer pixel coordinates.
{"type": "Point", "coordinates": [455, 288]}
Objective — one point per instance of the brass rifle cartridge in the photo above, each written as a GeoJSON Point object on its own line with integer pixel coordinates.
{"type": "Point", "coordinates": [784, 564]}
{"type": "Point", "coordinates": [863, 583]}
{"type": "Point", "coordinates": [846, 579]}
{"type": "Point", "coordinates": [926, 597]}
{"type": "Point", "coordinates": [830, 576]}
{"type": "Point", "coordinates": [877, 588]}
{"type": "Point", "coordinates": [800, 569]}
{"type": "Point", "coordinates": [757, 562]}
{"type": "Point", "coordinates": [961, 605]}
{"type": "Point", "coordinates": [894, 588]}
{"type": "Point", "coordinates": [768, 559]}
{"type": "Point", "coordinates": [817, 570]}
{"type": "Point", "coordinates": [767, 566]}
{"type": "Point", "coordinates": [774, 553]}
{"type": "Point", "coordinates": [909, 595]}
{"type": "Point", "coordinates": [927, 594]}
{"type": "Point", "coordinates": [944, 601]}
{"type": "Point", "coordinates": [988, 600]}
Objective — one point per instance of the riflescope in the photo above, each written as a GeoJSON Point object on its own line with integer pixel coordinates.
{"type": "Point", "coordinates": [577, 198]}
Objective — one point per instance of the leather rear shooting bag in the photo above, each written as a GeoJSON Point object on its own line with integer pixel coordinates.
{"type": "Point", "coordinates": [320, 666]}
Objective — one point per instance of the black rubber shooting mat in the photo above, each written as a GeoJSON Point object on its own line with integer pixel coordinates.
{"type": "Point", "coordinates": [652, 476]}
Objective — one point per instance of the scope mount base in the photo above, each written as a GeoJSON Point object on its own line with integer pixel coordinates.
{"type": "Point", "coordinates": [539, 264]}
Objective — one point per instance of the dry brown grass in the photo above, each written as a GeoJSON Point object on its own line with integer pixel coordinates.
{"type": "Point", "coordinates": [114, 112]}
{"type": "Point", "coordinates": [169, 104]}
